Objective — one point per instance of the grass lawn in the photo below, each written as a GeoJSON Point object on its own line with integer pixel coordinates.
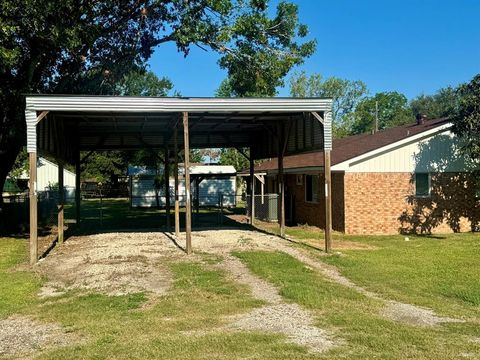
{"type": "Point", "coordinates": [357, 320]}
{"type": "Point", "coordinates": [439, 272]}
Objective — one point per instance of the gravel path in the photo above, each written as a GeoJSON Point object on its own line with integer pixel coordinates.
{"type": "Point", "coordinates": [112, 263]}
{"type": "Point", "coordinates": [277, 317]}
{"type": "Point", "coordinates": [21, 336]}
{"type": "Point", "coordinates": [288, 319]}
{"type": "Point", "coordinates": [394, 310]}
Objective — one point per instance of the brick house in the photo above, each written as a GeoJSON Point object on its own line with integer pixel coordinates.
{"type": "Point", "coordinates": [408, 179]}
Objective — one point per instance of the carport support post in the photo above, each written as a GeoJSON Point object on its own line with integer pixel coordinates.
{"type": "Point", "coordinates": [77, 189]}
{"type": "Point", "coordinates": [61, 202]}
{"type": "Point", "coordinates": [188, 205]}
{"type": "Point", "coordinates": [252, 189]}
{"type": "Point", "coordinates": [281, 185]}
{"type": "Point", "coordinates": [177, 203]}
{"type": "Point", "coordinates": [328, 201]}
{"type": "Point", "coordinates": [166, 176]}
{"type": "Point", "coordinates": [33, 208]}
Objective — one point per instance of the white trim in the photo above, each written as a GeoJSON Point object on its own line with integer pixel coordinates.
{"type": "Point", "coordinates": [157, 104]}
{"type": "Point", "coordinates": [345, 165]}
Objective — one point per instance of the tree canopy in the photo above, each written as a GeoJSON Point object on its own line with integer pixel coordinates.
{"type": "Point", "coordinates": [346, 95]}
{"type": "Point", "coordinates": [467, 118]}
{"type": "Point", "coordinates": [443, 103]}
{"type": "Point", "coordinates": [393, 110]}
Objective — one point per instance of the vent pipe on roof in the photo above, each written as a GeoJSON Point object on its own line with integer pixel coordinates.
{"type": "Point", "coordinates": [421, 119]}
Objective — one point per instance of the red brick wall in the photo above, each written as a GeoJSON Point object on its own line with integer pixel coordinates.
{"type": "Point", "coordinates": [384, 203]}
{"type": "Point", "coordinates": [314, 213]}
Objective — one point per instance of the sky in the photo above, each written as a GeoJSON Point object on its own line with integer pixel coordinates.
{"type": "Point", "coordinates": [411, 46]}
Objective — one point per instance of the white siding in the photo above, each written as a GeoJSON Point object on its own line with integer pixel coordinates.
{"type": "Point", "coordinates": [438, 153]}
{"type": "Point", "coordinates": [47, 175]}
{"type": "Point", "coordinates": [143, 193]}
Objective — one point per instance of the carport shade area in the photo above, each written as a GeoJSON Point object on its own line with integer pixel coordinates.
{"type": "Point", "coordinates": [62, 126]}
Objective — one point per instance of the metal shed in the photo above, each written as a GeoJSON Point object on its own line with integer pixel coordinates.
{"type": "Point", "coordinates": [208, 182]}
{"type": "Point", "coordinates": [62, 126]}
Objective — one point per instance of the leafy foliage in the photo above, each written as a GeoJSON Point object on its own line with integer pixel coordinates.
{"type": "Point", "coordinates": [443, 103]}
{"type": "Point", "coordinates": [265, 50]}
{"type": "Point", "coordinates": [21, 164]}
{"type": "Point", "coordinates": [467, 118]}
{"type": "Point", "coordinates": [144, 83]}
{"type": "Point", "coordinates": [393, 110]}
{"type": "Point", "coordinates": [234, 158]}
{"type": "Point", "coordinates": [104, 166]}
{"type": "Point", "coordinates": [346, 95]}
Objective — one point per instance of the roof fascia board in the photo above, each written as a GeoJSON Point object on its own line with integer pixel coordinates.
{"type": "Point", "coordinates": [149, 104]}
{"type": "Point", "coordinates": [345, 165]}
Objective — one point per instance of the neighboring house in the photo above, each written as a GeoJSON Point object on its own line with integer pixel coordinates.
{"type": "Point", "coordinates": [211, 182]}
{"type": "Point", "coordinates": [411, 178]}
{"type": "Point", "coordinates": [47, 178]}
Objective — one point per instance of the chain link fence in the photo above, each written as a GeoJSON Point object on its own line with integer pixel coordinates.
{"type": "Point", "coordinates": [149, 211]}
{"type": "Point", "coordinates": [16, 211]}
{"type": "Point", "coordinates": [265, 207]}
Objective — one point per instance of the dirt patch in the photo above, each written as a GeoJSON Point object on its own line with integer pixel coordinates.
{"type": "Point", "coordinates": [414, 315]}
{"type": "Point", "coordinates": [288, 319]}
{"type": "Point", "coordinates": [223, 242]}
{"type": "Point", "coordinates": [112, 263]}
{"type": "Point", "coordinates": [21, 336]}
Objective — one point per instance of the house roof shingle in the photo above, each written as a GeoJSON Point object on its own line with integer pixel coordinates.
{"type": "Point", "coordinates": [353, 146]}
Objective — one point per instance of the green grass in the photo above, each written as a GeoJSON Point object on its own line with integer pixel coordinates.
{"type": "Point", "coordinates": [440, 272]}
{"type": "Point", "coordinates": [17, 288]}
{"type": "Point", "coordinates": [357, 319]}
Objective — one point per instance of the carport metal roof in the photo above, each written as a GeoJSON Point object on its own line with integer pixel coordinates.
{"type": "Point", "coordinates": [74, 123]}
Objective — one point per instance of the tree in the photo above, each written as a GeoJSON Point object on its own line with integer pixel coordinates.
{"type": "Point", "coordinates": [234, 158]}
{"type": "Point", "coordinates": [67, 46]}
{"type": "Point", "coordinates": [346, 94]}
{"type": "Point", "coordinates": [105, 166]}
{"type": "Point", "coordinates": [144, 83]}
{"type": "Point", "coordinates": [442, 104]}
{"type": "Point", "coordinates": [265, 51]}
{"type": "Point", "coordinates": [392, 107]}
{"type": "Point", "coordinates": [466, 121]}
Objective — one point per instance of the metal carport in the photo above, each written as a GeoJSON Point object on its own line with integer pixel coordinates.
{"type": "Point", "coordinates": [61, 126]}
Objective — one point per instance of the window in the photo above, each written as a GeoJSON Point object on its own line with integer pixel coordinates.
{"type": "Point", "coordinates": [311, 188]}
{"type": "Point", "coordinates": [422, 184]}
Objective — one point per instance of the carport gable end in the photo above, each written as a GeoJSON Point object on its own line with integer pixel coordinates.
{"type": "Point", "coordinates": [62, 126]}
